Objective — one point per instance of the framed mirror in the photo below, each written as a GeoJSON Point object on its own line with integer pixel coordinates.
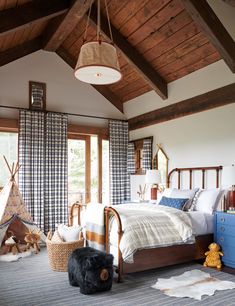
{"type": "Point", "coordinates": [160, 162]}
{"type": "Point", "coordinates": [37, 95]}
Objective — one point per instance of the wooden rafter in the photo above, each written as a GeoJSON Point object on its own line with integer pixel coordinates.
{"type": "Point", "coordinates": [206, 19]}
{"type": "Point", "coordinates": [133, 57]}
{"type": "Point", "coordinates": [17, 18]}
{"type": "Point", "coordinates": [59, 28]}
{"type": "Point", "coordinates": [230, 2]}
{"type": "Point", "coordinates": [215, 98]}
{"type": "Point", "coordinates": [104, 90]}
{"type": "Point", "coordinates": [19, 51]}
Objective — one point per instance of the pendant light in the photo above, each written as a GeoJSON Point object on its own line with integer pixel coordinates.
{"type": "Point", "coordinates": [98, 61]}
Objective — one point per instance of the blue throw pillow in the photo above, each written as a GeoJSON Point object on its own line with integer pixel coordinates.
{"type": "Point", "coordinates": [173, 202]}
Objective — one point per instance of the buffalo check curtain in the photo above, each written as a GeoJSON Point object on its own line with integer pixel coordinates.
{"type": "Point", "coordinates": [119, 178]}
{"type": "Point", "coordinates": [147, 154]}
{"type": "Point", "coordinates": [131, 158]}
{"type": "Point", "coordinates": [43, 174]}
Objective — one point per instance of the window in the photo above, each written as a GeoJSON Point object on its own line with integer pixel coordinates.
{"type": "Point", "coordinates": [8, 148]}
{"type": "Point", "coordinates": [105, 172]}
{"type": "Point", "coordinates": [88, 169]}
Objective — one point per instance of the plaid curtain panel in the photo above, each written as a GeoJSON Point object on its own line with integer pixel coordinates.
{"type": "Point", "coordinates": [119, 178]}
{"type": "Point", "coordinates": [131, 158]}
{"type": "Point", "coordinates": [31, 159]}
{"type": "Point", "coordinates": [43, 173]}
{"type": "Point", "coordinates": [56, 171]}
{"type": "Point", "coordinates": [147, 154]}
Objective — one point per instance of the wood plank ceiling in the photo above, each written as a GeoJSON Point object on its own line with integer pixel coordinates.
{"type": "Point", "coordinates": [157, 40]}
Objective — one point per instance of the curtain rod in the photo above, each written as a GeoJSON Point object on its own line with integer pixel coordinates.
{"type": "Point", "coordinates": [69, 114]}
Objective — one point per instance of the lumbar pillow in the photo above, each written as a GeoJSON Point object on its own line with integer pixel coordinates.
{"type": "Point", "coordinates": [183, 194]}
{"type": "Point", "coordinates": [173, 202]}
{"type": "Point", "coordinates": [69, 233]}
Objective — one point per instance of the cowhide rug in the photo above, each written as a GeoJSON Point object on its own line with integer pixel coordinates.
{"type": "Point", "coordinates": [11, 257]}
{"type": "Point", "coordinates": [193, 284]}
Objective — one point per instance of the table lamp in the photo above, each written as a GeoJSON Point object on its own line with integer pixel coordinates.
{"type": "Point", "coordinates": [153, 177]}
{"type": "Point", "coordinates": [228, 180]}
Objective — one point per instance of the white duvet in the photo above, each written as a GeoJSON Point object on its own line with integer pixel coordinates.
{"type": "Point", "coordinates": [149, 226]}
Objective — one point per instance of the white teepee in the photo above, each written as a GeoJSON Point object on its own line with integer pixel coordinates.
{"type": "Point", "coordinates": [13, 209]}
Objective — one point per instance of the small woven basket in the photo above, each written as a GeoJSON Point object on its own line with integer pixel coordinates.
{"type": "Point", "coordinates": [59, 252]}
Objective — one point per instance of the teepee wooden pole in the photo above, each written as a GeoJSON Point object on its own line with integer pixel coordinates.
{"type": "Point", "coordinates": [17, 170]}
{"type": "Point", "coordinates": [7, 164]}
{"type": "Point", "coordinates": [12, 168]}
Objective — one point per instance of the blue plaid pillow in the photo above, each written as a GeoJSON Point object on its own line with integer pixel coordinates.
{"type": "Point", "coordinates": [173, 202]}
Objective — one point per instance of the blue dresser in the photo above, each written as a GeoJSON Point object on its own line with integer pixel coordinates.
{"type": "Point", "coordinates": [224, 235]}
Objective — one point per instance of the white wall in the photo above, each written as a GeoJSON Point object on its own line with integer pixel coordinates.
{"type": "Point", "coordinates": [203, 139]}
{"type": "Point", "coordinates": [64, 92]}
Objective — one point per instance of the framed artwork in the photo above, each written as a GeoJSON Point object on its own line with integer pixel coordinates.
{"type": "Point", "coordinates": [37, 95]}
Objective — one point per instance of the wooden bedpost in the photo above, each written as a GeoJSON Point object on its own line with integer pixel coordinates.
{"type": "Point", "coordinates": [110, 211]}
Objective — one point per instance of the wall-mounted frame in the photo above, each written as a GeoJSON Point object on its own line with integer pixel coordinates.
{"type": "Point", "coordinates": [37, 96]}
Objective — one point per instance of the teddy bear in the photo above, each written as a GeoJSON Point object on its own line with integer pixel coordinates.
{"type": "Point", "coordinates": [213, 256]}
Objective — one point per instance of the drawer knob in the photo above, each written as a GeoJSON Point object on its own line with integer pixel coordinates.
{"type": "Point", "coordinates": [222, 219]}
{"type": "Point", "coordinates": [221, 239]}
{"type": "Point", "coordinates": [222, 229]}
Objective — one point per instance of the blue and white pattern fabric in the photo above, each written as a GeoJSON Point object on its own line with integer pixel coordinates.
{"type": "Point", "coordinates": [147, 154]}
{"type": "Point", "coordinates": [119, 178]}
{"type": "Point", "coordinates": [131, 158]}
{"type": "Point", "coordinates": [173, 202]}
{"type": "Point", "coordinates": [43, 173]}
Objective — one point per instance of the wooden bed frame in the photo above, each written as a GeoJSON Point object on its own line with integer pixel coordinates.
{"type": "Point", "coordinates": [146, 259]}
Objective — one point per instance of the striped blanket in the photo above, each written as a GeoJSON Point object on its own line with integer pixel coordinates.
{"type": "Point", "coordinates": [150, 226]}
{"type": "Point", "coordinates": [144, 226]}
{"type": "Point", "coordinates": [95, 230]}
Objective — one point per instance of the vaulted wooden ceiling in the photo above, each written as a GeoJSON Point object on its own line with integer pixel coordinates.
{"type": "Point", "coordinates": [158, 41]}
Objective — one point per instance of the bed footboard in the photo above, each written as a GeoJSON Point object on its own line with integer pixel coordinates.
{"type": "Point", "coordinates": [111, 212]}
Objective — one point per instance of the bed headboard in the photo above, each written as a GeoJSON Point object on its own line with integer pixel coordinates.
{"type": "Point", "coordinates": [216, 170]}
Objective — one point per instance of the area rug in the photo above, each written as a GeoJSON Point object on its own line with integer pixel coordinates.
{"type": "Point", "coordinates": [193, 284]}
{"type": "Point", "coordinates": [31, 282]}
{"type": "Point", "coordinates": [14, 257]}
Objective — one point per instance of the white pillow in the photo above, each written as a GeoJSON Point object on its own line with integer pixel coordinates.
{"type": "Point", "coordinates": [166, 193]}
{"type": "Point", "coordinates": [208, 200]}
{"type": "Point", "coordinates": [69, 233]}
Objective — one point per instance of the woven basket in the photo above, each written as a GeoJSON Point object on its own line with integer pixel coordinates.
{"type": "Point", "coordinates": [59, 252]}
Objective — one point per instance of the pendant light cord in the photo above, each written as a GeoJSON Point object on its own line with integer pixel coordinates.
{"type": "Point", "coordinates": [98, 21]}
{"type": "Point", "coordinates": [110, 30]}
{"type": "Point", "coordinates": [87, 22]}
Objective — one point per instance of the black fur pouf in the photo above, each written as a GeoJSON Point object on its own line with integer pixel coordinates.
{"type": "Point", "coordinates": [91, 270]}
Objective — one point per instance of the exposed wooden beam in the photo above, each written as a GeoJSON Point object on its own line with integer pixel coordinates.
{"type": "Point", "coordinates": [12, 125]}
{"type": "Point", "coordinates": [19, 51]}
{"type": "Point", "coordinates": [8, 125]}
{"type": "Point", "coordinates": [206, 19]}
{"type": "Point", "coordinates": [59, 28]}
{"type": "Point", "coordinates": [74, 129]}
{"type": "Point", "coordinates": [133, 57]}
{"type": "Point", "coordinates": [230, 2]}
{"type": "Point", "coordinates": [23, 16]}
{"type": "Point", "coordinates": [105, 91]}
{"type": "Point", "coordinates": [215, 98]}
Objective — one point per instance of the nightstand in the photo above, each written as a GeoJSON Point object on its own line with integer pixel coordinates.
{"type": "Point", "coordinates": [224, 235]}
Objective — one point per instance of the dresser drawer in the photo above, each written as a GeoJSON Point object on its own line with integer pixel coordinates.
{"type": "Point", "coordinates": [227, 219]}
{"type": "Point", "coordinates": [225, 229]}
{"type": "Point", "coordinates": [225, 240]}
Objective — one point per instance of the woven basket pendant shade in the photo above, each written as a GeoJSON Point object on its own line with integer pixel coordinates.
{"type": "Point", "coordinates": [98, 63]}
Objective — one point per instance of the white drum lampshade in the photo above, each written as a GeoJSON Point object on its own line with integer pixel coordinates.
{"type": "Point", "coordinates": [228, 176]}
{"type": "Point", "coordinates": [98, 64]}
